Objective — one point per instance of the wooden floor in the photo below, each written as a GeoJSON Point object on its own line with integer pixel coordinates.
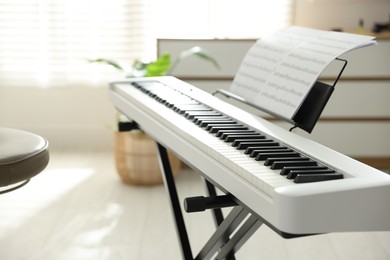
{"type": "Point", "coordinates": [79, 209]}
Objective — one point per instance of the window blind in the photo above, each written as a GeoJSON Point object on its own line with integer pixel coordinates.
{"type": "Point", "coordinates": [46, 43]}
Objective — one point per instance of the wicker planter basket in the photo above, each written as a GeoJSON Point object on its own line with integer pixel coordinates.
{"type": "Point", "coordinates": [136, 159]}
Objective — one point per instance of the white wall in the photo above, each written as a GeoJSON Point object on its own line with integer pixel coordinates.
{"type": "Point", "coordinates": [345, 14]}
{"type": "Point", "coordinates": [70, 118]}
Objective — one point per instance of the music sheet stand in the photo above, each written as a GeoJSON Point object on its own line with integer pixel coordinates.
{"type": "Point", "coordinates": [310, 110]}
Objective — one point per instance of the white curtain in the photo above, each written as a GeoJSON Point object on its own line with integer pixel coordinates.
{"type": "Point", "coordinates": [46, 43]}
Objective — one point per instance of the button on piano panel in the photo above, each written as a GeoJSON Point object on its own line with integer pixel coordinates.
{"type": "Point", "coordinates": [262, 161]}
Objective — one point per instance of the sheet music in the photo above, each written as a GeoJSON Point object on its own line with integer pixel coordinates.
{"type": "Point", "coordinates": [279, 70]}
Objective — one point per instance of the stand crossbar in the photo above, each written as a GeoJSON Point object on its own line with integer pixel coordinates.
{"type": "Point", "coordinates": [240, 237]}
{"type": "Point", "coordinates": [221, 235]}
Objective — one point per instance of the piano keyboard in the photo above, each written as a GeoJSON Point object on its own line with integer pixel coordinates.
{"type": "Point", "coordinates": [296, 185]}
{"type": "Point", "coordinates": [262, 149]}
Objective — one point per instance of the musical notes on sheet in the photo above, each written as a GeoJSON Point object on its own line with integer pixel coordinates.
{"type": "Point", "coordinates": [279, 70]}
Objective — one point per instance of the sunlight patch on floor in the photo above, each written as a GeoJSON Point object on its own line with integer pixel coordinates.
{"type": "Point", "coordinates": [19, 206]}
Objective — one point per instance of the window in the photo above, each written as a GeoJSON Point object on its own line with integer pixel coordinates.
{"type": "Point", "coordinates": [47, 42]}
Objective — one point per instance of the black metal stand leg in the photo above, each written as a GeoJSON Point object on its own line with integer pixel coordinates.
{"type": "Point", "coordinates": [239, 238]}
{"type": "Point", "coordinates": [217, 213]}
{"type": "Point", "coordinates": [174, 200]}
{"type": "Point", "coordinates": [221, 235]}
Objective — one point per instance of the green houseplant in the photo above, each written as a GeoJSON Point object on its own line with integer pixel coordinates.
{"type": "Point", "coordinates": [162, 66]}
{"type": "Point", "coordinates": [135, 152]}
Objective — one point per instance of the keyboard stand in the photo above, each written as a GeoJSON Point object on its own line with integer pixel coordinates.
{"type": "Point", "coordinates": [231, 232]}
{"type": "Point", "coordinates": [220, 243]}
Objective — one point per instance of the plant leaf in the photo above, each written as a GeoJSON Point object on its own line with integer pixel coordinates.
{"type": "Point", "coordinates": [159, 67]}
{"type": "Point", "coordinates": [201, 53]}
{"type": "Point", "coordinates": [109, 62]}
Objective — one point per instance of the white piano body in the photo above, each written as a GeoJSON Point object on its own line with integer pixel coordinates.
{"type": "Point", "coordinates": [358, 202]}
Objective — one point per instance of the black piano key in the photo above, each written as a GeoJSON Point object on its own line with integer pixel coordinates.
{"type": "Point", "coordinates": [152, 95]}
{"type": "Point", "coordinates": [293, 173]}
{"type": "Point", "coordinates": [169, 105]}
{"type": "Point", "coordinates": [251, 150]}
{"type": "Point", "coordinates": [222, 132]}
{"type": "Point", "coordinates": [265, 155]}
{"type": "Point", "coordinates": [214, 122]}
{"type": "Point", "coordinates": [223, 136]}
{"type": "Point", "coordinates": [215, 129]}
{"type": "Point", "coordinates": [260, 143]}
{"type": "Point", "coordinates": [305, 178]}
{"type": "Point", "coordinates": [192, 114]}
{"type": "Point", "coordinates": [270, 161]}
{"type": "Point", "coordinates": [237, 142]}
{"type": "Point", "coordinates": [188, 112]}
{"type": "Point", "coordinates": [249, 137]}
{"type": "Point", "coordinates": [199, 119]}
{"type": "Point", "coordinates": [286, 170]}
{"type": "Point", "coordinates": [202, 112]}
{"type": "Point", "coordinates": [302, 162]}
{"type": "Point", "coordinates": [211, 126]}
{"type": "Point", "coordinates": [161, 100]}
